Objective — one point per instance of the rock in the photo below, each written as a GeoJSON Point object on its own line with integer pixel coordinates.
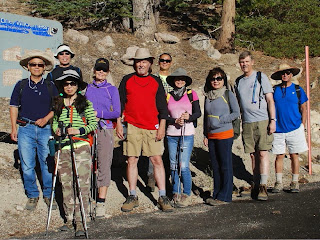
{"type": "Point", "coordinates": [131, 51]}
{"type": "Point", "coordinates": [76, 36]}
{"type": "Point", "coordinates": [115, 54]}
{"type": "Point", "coordinates": [214, 53]}
{"type": "Point", "coordinates": [104, 43]}
{"type": "Point", "coordinates": [315, 168]}
{"type": "Point", "coordinates": [200, 42]}
{"type": "Point", "coordinates": [166, 38]}
{"type": "Point", "coordinates": [19, 208]}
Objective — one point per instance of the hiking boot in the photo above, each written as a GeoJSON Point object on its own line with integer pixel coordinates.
{"type": "Point", "coordinates": [235, 190]}
{"type": "Point", "coordinates": [151, 183]}
{"type": "Point", "coordinates": [79, 230]}
{"type": "Point", "coordinates": [294, 187]}
{"type": "Point", "coordinates": [245, 192]}
{"type": "Point", "coordinates": [277, 187]}
{"type": "Point", "coordinates": [215, 202]}
{"type": "Point", "coordinates": [263, 194]}
{"type": "Point", "coordinates": [32, 203]}
{"type": "Point", "coordinates": [100, 210]}
{"type": "Point", "coordinates": [66, 227]}
{"type": "Point", "coordinates": [54, 203]}
{"type": "Point", "coordinates": [130, 203]}
{"type": "Point", "coordinates": [185, 200]}
{"type": "Point", "coordinates": [176, 198]}
{"type": "Point", "coordinates": [164, 204]}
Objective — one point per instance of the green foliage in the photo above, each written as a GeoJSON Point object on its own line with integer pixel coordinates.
{"type": "Point", "coordinates": [90, 13]}
{"type": "Point", "coordinates": [280, 28]}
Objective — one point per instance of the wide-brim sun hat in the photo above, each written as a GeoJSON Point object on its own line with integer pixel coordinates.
{"type": "Point", "coordinates": [64, 48]}
{"type": "Point", "coordinates": [71, 75]}
{"type": "Point", "coordinates": [142, 53]}
{"type": "Point", "coordinates": [283, 67]}
{"type": "Point", "coordinates": [48, 60]}
{"type": "Point", "coordinates": [180, 72]}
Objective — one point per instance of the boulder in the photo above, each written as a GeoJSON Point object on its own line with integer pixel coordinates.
{"type": "Point", "coordinates": [214, 53]}
{"type": "Point", "coordinates": [104, 43]}
{"type": "Point", "coordinates": [130, 52]}
{"type": "Point", "coordinates": [166, 38]}
{"type": "Point", "coordinates": [200, 42]}
{"type": "Point", "coordinates": [76, 36]}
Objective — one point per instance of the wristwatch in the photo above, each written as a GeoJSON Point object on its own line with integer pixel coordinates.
{"type": "Point", "coordinates": [274, 119]}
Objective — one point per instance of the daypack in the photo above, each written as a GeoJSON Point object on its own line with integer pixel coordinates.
{"type": "Point", "coordinates": [258, 78]}
{"type": "Point", "coordinates": [190, 97]}
{"type": "Point", "coordinates": [236, 122]}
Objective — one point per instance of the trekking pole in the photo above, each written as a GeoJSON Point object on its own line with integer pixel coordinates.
{"type": "Point", "coordinates": [54, 180]}
{"type": "Point", "coordinates": [183, 130]}
{"type": "Point", "coordinates": [75, 169]}
{"type": "Point", "coordinates": [93, 187]}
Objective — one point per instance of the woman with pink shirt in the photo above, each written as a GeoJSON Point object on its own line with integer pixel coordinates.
{"type": "Point", "coordinates": [184, 109]}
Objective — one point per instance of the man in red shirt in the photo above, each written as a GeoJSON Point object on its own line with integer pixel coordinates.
{"type": "Point", "coordinates": [144, 109]}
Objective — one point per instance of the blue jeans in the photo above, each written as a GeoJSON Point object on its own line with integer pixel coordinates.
{"type": "Point", "coordinates": [34, 140]}
{"type": "Point", "coordinates": [179, 161]}
{"type": "Point", "coordinates": [221, 159]}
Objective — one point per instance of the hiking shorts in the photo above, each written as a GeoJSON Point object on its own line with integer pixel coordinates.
{"type": "Point", "coordinates": [294, 140]}
{"type": "Point", "coordinates": [255, 136]}
{"type": "Point", "coordinates": [142, 142]}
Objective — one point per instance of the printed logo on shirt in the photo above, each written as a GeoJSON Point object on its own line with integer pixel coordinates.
{"type": "Point", "coordinates": [157, 126]}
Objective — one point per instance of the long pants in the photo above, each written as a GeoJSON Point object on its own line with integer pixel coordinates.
{"type": "Point", "coordinates": [220, 152]}
{"type": "Point", "coordinates": [71, 202]}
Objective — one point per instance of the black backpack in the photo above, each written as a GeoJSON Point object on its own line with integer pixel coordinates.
{"type": "Point", "coordinates": [237, 121]}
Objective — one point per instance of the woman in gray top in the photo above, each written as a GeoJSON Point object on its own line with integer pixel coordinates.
{"type": "Point", "coordinates": [220, 109]}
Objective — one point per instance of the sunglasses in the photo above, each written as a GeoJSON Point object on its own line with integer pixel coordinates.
{"type": "Point", "coordinates": [41, 65]}
{"type": "Point", "coordinates": [98, 69]}
{"type": "Point", "coordinates": [216, 79]}
{"type": "Point", "coordinates": [72, 84]}
{"type": "Point", "coordinates": [63, 53]}
{"type": "Point", "coordinates": [288, 72]}
{"type": "Point", "coordinates": [165, 60]}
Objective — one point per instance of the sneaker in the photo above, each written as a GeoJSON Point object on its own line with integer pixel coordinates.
{"type": "Point", "coordinates": [32, 203]}
{"type": "Point", "coordinates": [54, 203]}
{"type": "Point", "coordinates": [215, 202]}
{"type": "Point", "coordinates": [294, 187]}
{"type": "Point", "coordinates": [66, 227]}
{"type": "Point", "coordinates": [151, 183]}
{"type": "Point", "coordinates": [185, 200]}
{"type": "Point", "coordinates": [130, 203]}
{"type": "Point", "coordinates": [79, 230]}
{"type": "Point", "coordinates": [263, 194]}
{"type": "Point", "coordinates": [277, 187]}
{"type": "Point", "coordinates": [245, 191]}
{"type": "Point", "coordinates": [100, 210]}
{"type": "Point", "coordinates": [165, 204]}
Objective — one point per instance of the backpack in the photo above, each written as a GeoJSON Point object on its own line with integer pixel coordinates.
{"type": "Point", "coordinates": [258, 78]}
{"type": "Point", "coordinates": [190, 97]}
{"type": "Point", "coordinates": [298, 93]}
{"type": "Point", "coordinates": [236, 122]}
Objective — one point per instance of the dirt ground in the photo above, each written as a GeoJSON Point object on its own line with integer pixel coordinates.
{"type": "Point", "coordinates": [17, 222]}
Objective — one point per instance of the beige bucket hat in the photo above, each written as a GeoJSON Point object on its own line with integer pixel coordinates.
{"type": "Point", "coordinates": [48, 60]}
{"type": "Point", "coordinates": [142, 53]}
{"type": "Point", "coordinates": [180, 72]}
{"type": "Point", "coordinates": [283, 67]}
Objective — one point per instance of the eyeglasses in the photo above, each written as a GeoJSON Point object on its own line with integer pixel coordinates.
{"type": "Point", "coordinates": [72, 84]}
{"type": "Point", "coordinates": [41, 65]}
{"type": "Point", "coordinates": [216, 79]}
{"type": "Point", "coordinates": [288, 72]}
{"type": "Point", "coordinates": [165, 60]}
{"type": "Point", "coordinates": [98, 69]}
{"type": "Point", "coordinates": [64, 53]}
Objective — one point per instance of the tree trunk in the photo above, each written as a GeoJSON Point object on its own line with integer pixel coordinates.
{"type": "Point", "coordinates": [156, 10]}
{"type": "Point", "coordinates": [144, 25]}
{"type": "Point", "coordinates": [225, 43]}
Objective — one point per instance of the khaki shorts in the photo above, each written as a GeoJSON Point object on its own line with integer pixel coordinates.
{"type": "Point", "coordinates": [255, 136]}
{"type": "Point", "coordinates": [142, 142]}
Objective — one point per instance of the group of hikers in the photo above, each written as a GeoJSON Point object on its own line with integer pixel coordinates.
{"type": "Point", "coordinates": [151, 113]}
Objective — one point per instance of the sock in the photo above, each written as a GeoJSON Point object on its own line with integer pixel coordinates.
{"type": "Point", "coordinates": [162, 193]}
{"type": "Point", "coordinates": [263, 179]}
{"type": "Point", "coordinates": [101, 199]}
{"type": "Point", "coordinates": [279, 177]}
{"type": "Point", "coordinates": [133, 193]}
{"type": "Point", "coordinates": [295, 177]}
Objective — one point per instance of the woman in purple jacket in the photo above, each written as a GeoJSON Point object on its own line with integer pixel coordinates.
{"type": "Point", "coordinates": [106, 103]}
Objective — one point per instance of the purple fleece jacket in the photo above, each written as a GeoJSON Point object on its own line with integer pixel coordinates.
{"type": "Point", "coordinates": [106, 102]}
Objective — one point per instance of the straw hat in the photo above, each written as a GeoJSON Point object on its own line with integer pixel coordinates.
{"type": "Point", "coordinates": [180, 72]}
{"type": "Point", "coordinates": [142, 53]}
{"type": "Point", "coordinates": [283, 67]}
{"type": "Point", "coordinates": [71, 75]}
{"type": "Point", "coordinates": [63, 48]}
{"type": "Point", "coordinates": [37, 54]}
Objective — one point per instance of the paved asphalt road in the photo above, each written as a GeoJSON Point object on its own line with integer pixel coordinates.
{"type": "Point", "coordinates": [284, 216]}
